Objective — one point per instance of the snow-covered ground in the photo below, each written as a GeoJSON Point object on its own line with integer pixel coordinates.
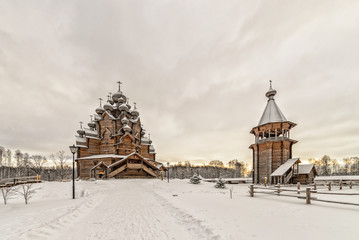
{"type": "Point", "coordinates": [154, 209]}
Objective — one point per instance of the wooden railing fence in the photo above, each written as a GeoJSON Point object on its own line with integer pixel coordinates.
{"type": "Point", "coordinates": [278, 190]}
{"type": "Point", "coordinates": [19, 180]}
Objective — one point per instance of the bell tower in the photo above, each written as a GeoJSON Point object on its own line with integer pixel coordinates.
{"type": "Point", "coordinates": [273, 145]}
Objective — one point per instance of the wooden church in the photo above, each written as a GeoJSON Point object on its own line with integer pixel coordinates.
{"type": "Point", "coordinates": [115, 144]}
{"type": "Point", "coordinates": [272, 149]}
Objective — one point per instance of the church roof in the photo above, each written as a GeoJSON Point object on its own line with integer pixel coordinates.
{"type": "Point", "coordinates": [305, 168]}
{"type": "Point", "coordinates": [285, 167]}
{"type": "Point", "coordinates": [272, 114]}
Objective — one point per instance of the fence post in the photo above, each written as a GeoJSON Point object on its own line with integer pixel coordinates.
{"type": "Point", "coordinates": [298, 187]}
{"type": "Point", "coordinates": [278, 192]}
{"type": "Point", "coordinates": [315, 186]}
{"type": "Point", "coordinates": [351, 184]}
{"type": "Point", "coordinates": [251, 190]}
{"type": "Point", "coordinates": [265, 181]}
{"type": "Point", "coordinates": [330, 186]}
{"type": "Point", "coordinates": [340, 185]}
{"type": "Point", "coordinates": [307, 191]}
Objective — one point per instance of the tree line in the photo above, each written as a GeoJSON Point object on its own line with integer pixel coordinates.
{"type": "Point", "coordinates": [327, 166]}
{"type": "Point", "coordinates": [214, 169]}
{"type": "Point", "coordinates": [20, 164]}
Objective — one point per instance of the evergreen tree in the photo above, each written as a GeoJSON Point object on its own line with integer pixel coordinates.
{"type": "Point", "coordinates": [220, 183]}
{"type": "Point", "coordinates": [195, 179]}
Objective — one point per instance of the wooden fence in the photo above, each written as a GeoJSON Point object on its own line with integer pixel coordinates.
{"type": "Point", "coordinates": [279, 191]}
{"type": "Point", "coordinates": [19, 180]}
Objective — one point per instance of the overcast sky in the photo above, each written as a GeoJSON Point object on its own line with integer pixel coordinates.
{"type": "Point", "coordinates": [198, 70]}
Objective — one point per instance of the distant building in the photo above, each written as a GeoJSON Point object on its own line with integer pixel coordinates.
{"type": "Point", "coordinates": [272, 150]}
{"type": "Point", "coordinates": [115, 145]}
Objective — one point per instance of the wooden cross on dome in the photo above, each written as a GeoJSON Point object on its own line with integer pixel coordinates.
{"type": "Point", "coordinates": [119, 85]}
{"type": "Point", "coordinates": [100, 101]}
{"type": "Point", "coordinates": [270, 83]}
{"type": "Point", "coordinates": [81, 125]}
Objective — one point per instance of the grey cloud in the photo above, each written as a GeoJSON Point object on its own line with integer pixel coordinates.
{"type": "Point", "coordinates": [198, 71]}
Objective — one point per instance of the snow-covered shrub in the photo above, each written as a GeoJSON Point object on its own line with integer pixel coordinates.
{"type": "Point", "coordinates": [220, 183]}
{"type": "Point", "coordinates": [195, 179]}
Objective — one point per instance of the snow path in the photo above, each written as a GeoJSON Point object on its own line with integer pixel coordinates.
{"type": "Point", "coordinates": [131, 210]}
{"type": "Point", "coordinates": [155, 209]}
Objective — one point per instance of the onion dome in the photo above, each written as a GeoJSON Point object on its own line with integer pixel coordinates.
{"type": "Point", "coordinates": [134, 112]}
{"type": "Point", "coordinates": [123, 107]}
{"type": "Point", "coordinates": [143, 132]}
{"type": "Point", "coordinates": [128, 103]}
{"type": "Point", "coordinates": [149, 138]}
{"type": "Point", "coordinates": [110, 98]}
{"type": "Point", "coordinates": [118, 94]}
{"type": "Point", "coordinates": [121, 100]}
{"type": "Point", "coordinates": [91, 124]}
{"type": "Point", "coordinates": [126, 128]}
{"type": "Point", "coordinates": [108, 105]}
{"type": "Point", "coordinates": [124, 120]}
{"type": "Point", "coordinates": [100, 109]}
{"type": "Point", "coordinates": [271, 92]}
{"type": "Point", "coordinates": [81, 132]}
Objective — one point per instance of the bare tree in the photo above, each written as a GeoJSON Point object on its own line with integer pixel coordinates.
{"type": "Point", "coordinates": [8, 156]}
{"type": "Point", "coordinates": [26, 163]}
{"type": "Point", "coordinates": [38, 163]}
{"type": "Point", "coordinates": [325, 160]}
{"type": "Point", "coordinates": [2, 153]}
{"type": "Point", "coordinates": [26, 191]}
{"type": "Point", "coordinates": [60, 163]}
{"type": "Point", "coordinates": [7, 191]}
{"type": "Point", "coordinates": [18, 157]}
{"type": "Point", "coordinates": [216, 163]}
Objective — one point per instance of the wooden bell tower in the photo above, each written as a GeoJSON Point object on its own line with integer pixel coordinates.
{"type": "Point", "coordinates": [273, 145]}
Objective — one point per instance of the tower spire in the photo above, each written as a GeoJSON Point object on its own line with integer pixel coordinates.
{"type": "Point", "coordinates": [81, 125]}
{"type": "Point", "coordinates": [271, 92]}
{"type": "Point", "coordinates": [91, 118]}
{"type": "Point", "coordinates": [100, 101]}
{"type": "Point", "coordinates": [134, 105]}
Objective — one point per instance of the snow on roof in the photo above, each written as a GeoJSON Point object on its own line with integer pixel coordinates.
{"type": "Point", "coordinates": [333, 178]}
{"type": "Point", "coordinates": [285, 167]}
{"type": "Point", "coordinates": [89, 131]}
{"type": "Point", "coordinates": [92, 137]}
{"type": "Point", "coordinates": [272, 114]}
{"type": "Point", "coordinates": [110, 115]}
{"type": "Point", "coordinates": [103, 156]}
{"type": "Point", "coordinates": [305, 168]}
{"type": "Point", "coordinates": [134, 120]}
{"type": "Point", "coordinates": [80, 139]}
{"type": "Point", "coordinates": [100, 163]}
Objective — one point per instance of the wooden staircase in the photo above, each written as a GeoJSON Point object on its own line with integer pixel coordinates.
{"type": "Point", "coordinates": [149, 171]}
{"type": "Point", "coordinates": [288, 177]}
{"type": "Point", "coordinates": [118, 170]}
